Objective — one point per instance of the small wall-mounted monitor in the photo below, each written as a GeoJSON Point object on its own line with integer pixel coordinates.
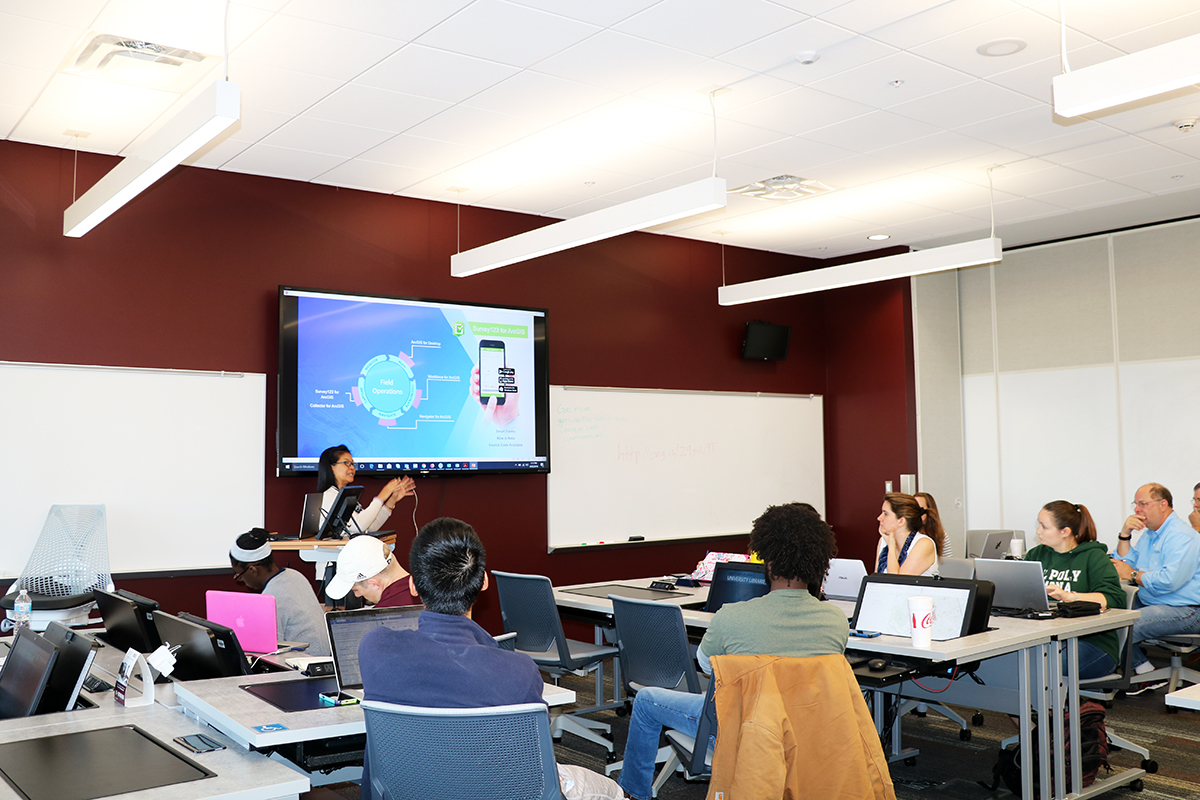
{"type": "Point", "coordinates": [765, 342]}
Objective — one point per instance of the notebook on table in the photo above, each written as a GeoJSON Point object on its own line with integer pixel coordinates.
{"type": "Point", "coordinates": [251, 616]}
{"type": "Point", "coordinates": [1020, 585]}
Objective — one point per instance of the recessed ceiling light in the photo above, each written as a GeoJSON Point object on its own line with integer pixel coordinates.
{"type": "Point", "coordinates": [879, 237]}
{"type": "Point", "coordinates": [896, 84]}
{"type": "Point", "coordinates": [783, 188]}
{"type": "Point", "coordinates": [807, 57]}
{"type": "Point", "coordinates": [998, 48]}
{"type": "Point", "coordinates": [1176, 177]}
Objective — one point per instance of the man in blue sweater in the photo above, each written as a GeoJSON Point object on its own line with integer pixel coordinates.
{"type": "Point", "coordinates": [449, 661]}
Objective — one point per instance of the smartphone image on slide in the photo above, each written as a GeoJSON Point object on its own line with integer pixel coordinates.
{"type": "Point", "coordinates": [491, 361]}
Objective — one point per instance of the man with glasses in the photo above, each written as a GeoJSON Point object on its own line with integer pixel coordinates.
{"type": "Point", "coordinates": [1194, 517]}
{"type": "Point", "coordinates": [1162, 564]}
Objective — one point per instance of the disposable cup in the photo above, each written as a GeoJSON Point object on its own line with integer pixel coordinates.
{"type": "Point", "coordinates": [920, 614]}
{"type": "Point", "coordinates": [1016, 548]}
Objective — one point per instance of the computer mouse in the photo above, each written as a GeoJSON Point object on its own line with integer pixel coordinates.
{"type": "Point", "coordinates": [877, 664]}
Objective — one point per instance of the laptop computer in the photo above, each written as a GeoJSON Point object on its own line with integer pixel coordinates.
{"type": "Point", "coordinates": [995, 545]}
{"type": "Point", "coordinates": [128, 620]}
{"type": "Point", "coordinates": [196, 656]}
{"type": "Point", "coordinates": [228, 646]}
{"type": "Point", "coordinates": [252, 617]}
{"type": "Point", "coordinates": [76, 651]}
{"type": "Point", "coordinates": [310, 519]}
{"type": "Point", "coordinates": [844, 579]}
{"type": "Point", "coordinates": [347, 628]}
{"type": "Point", "coordinates": [1020, 585]}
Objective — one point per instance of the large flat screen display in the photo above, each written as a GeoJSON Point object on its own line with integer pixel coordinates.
{"type": "Point", "coordinates": [411, 386]}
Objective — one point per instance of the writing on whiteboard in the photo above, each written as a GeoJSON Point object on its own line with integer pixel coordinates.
{"type": "Point", "coordinates": [578, 422]}
{"type": "Point", "coordinates": [645, 455]}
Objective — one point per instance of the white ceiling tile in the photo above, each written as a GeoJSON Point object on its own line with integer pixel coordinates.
{"type": "Point", "coordinates": [791, 156]}
{"type": "Point", "coordinates": [865, 16]}
{"type": "Point", "coordinates": [962, 105]}
{"type": "Point", "coordinates": [1131, 162]}
{"type": "Point", "coordinates": [798, 111]}
{"type": "Point", "coordinates": [630, 118]}
{"type": "Point", "coordinates": [739, 87]}
{"type": "Point", "coordinates": [397, 19]}
{"type": "Point", "coordinates": [255, 123]}
{"type": "Point", "coordinates": [474, 127]}
{"type": "Point", "coordinates": [279, 89]}
{"type": "Point", "coordinates": [958, 50]}
{"type": "Point", "coordinates": [542, 97]}
{"type": "Point", "coordinates": [314, 48]}
{"type": "Point", "coordinates": [73, 13]}
{"type": "Point", "coordinates": [615, 61]}
{"type": "Point", "coordinates": [438, 74]}
{"type": "Point", "coordinates": [872, 84]}
{"type": "Point", "coordinates": [280, 162]}
{"type": "Point", "coordinates": [941, 20]}
{"type": "Point", "coordinates": [1153, 112]}
{"type": "Point", "coordinates": [1035, 79]}
{"type": "Point", "coordinates": [944, 147]}
{"type": "Point", "coordinates": [1034, 124]}
{"type": "Point", "coordinates": [709, 27]}
{"type": "Point", "coordinates": [1012, 211]}
{"type": "Point", "coordinates": [812, 7]}
{"type": "Point", "coordinates": [372, 176]}
{"type": "Point", "coordinates": [34, 44]}
{"type": "Point", "coordinates": [376, 108]}
{"type": "Point", "coordinates": [1188, 144]}
{"type": "Point", "coordinates": [1092, 194]}
{"type": "Point", "coordinates": [858, 170]}
{"type": "Point", "coordinates": [22, 86]}
{"type": "Point", "coordinates": [640, 158]}
{"type": "Point", "coordinates": [732, 137]}
{"type": "Point", "coordinates": [1074, 136]}
{"type": "Point", "coordinates": [511, 34]}
{"type": "Point", "coordinates": [9, 116]}
{"type": "Point", "coordinates": [1165, 181]}
{"type": "Point", "coordinates": [1154, 35]}
{"type": "Point", "coordinates": [838, 49]}
{"type": "Point", "coordinates": [323, 136]}
{"type": "Point", "coordinates": [873, 131]}
{"type": "Point", "coordinates": [114, 113]}
{"type": "Point", "coordinates": [1041, 182]}
{"type": "Point", "coordinates": [604, 14]}
{"type": "Point", "coordinates": [1106, 20]}
{"type": "Point", "coordinates": [536, 199]}
{"type": "Point", "coordinates": [418, 152]}
{"type": "Point", "coordinates": [190, 24]}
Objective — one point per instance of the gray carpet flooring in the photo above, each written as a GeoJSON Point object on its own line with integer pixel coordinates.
{"type": "Point", "coordinates": [947, 767]}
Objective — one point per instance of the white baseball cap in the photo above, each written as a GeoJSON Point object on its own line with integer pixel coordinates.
{"type": "Point", "coordinates": [363, 557]}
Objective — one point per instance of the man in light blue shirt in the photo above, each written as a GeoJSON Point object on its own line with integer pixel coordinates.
{"type": "Point", "coordinates": [1163, 564]}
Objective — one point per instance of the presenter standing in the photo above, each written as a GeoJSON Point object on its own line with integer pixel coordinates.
{"type": "Point", "coordinates": [909, 537]}
{"type": "Point", "coordinates": [335, 470]}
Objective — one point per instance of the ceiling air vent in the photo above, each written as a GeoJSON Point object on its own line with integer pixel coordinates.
{"type": "Point", "coordinates": [783, 188]}
{"type": "Point", "coordinates": [138, 62]}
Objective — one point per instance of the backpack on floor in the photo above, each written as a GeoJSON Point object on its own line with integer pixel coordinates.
{"type": "Point", "coordinates": [1093, 752]}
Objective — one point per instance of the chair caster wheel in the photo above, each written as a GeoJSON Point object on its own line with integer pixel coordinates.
{"type": "Point", "coordinates": [911, 761]}
{"type": "Point", "coordinates": [1172, 709]}
{"type": "Point", "coordinates": [611, 758]}
{"type": "Point", "coordinates": [621, 711]}
{"type": "Point", "coordinates": [1150, 766]}
{"type": "Point", "coordinates": [1136, 786]}
{"type": "Point", "coordinates": [964, 735]}
{"type": "Point", "coordinates": [920, 714]}
{"type": "Point", "coordinates": [977, 719]}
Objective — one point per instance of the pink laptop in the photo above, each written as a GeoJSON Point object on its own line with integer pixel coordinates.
{"type": "Point", "coordinates": [252, 617]}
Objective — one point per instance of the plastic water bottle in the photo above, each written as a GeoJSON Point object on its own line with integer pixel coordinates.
{"type": "Point", "coordinates": [22, 610]}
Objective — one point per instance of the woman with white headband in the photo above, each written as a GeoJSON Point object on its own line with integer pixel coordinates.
{"type": "Point", "coordinates": [298, 614]}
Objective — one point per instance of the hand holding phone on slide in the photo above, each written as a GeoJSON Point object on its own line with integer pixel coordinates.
{"type": "Point", "coordinates": [499, 413]}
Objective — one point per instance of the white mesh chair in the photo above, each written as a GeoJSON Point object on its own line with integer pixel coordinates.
{"type": "Point", "coordinates": [455, 753]}
{"type": "Point", "coordinates": [69, 559]}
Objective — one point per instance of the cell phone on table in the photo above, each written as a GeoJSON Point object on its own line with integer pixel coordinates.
{"type": "Point", "coordinates": [337, 699]}
{"type": "Point", "coordinates": [864, 634]}
{"type": "Point", "coordinates": [199, 743]}
{"type": "Point", "coordinates": [491, 361]}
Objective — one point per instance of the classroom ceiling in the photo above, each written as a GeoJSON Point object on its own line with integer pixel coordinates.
{"type": "Point", "coordinates": [562, 107]}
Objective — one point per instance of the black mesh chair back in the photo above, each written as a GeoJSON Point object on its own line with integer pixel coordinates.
{"type": "Point", "coordinates": [653, 644]}
{"type": "Point", "coordinates": [527, 608]}
{"type": "Point", "coordinates": [455, 753]}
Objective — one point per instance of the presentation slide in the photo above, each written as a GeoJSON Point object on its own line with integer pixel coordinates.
{"type": "Point", "coordinates": [410, 385]}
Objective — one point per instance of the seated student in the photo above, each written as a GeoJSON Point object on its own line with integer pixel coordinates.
{"type": "Point", "coordinates": [449, 661]}
{"type": "Point", "coordinates": [910, 537]}
{"type": "Point", "coordinates": [1077, 567]}
{"type": "Point", "coordinates": [787, 621]}
{"type": "Point", "coordinates": [298, 614]}
{"type": "Point", "coordinates": [925, 500]}
{"type": "Point", "coordinates": [369, 568]}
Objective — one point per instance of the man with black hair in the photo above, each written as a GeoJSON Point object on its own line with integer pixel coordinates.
{"type": "Point", "coordinates": [449, 661]}
{"type": "Point", "coordinates": [299, 616]}
{"type": "Point", "coordinates": [787, 621]}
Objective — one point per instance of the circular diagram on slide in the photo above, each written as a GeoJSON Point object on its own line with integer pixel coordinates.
{"type": "Point", "coordinates": [387, 387]}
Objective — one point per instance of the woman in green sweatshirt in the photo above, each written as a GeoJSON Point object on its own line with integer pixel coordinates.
{"type": "Point", "coordinates": [1077, 567]}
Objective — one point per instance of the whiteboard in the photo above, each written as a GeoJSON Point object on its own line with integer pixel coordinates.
{"type": "Point", "coordinates": [177, 458]}
{"type": "Point", "coordinates": [673, 465]}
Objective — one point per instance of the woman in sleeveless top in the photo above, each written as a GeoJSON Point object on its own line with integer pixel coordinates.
{"type": "Point", "coordinates": [910, 537]}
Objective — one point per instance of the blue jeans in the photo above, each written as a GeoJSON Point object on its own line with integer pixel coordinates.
{"type": "Point", "coordinates": [653, 710]}
{"type": "Point", "coordinates": [1159, 621]}
{"type": "Point", "coordinates": [1093, 662]}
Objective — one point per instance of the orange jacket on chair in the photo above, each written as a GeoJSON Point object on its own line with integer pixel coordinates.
{"type": "Point", "coordinates": [794, 728]}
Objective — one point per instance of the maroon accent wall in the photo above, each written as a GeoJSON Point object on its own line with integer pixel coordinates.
{"type": "Point", "coordinates": [186, 276]}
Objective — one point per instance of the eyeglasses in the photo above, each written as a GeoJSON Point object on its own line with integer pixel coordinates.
{"type": "Point", "coordinates": [349, 464]}
{"type": "Point", "coordinates": [1136, 504]}
{"type": "Point", "coordinates": [238, 576]}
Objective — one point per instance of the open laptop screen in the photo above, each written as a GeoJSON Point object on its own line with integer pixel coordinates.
{"type": "Point", "coordinates": [347, 628]}
{"type": "Point", "coordinates": [735, 581]}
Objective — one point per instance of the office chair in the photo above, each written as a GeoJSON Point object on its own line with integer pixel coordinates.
{"type": "Point", "coordinates": [654, 651]}
{"type": "Point", "coordinates": [527, 608]}
{"type": "Point", "coordinates": [506, 641]}
{"type": "Point", "coordinates": [1176, 674]}
{"type": "Point", "coordinates": [69, 560]}
{"type": "Point", "coordinates": [695, 759]}
{"type": "Point", "coordinates": [453, 753]}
